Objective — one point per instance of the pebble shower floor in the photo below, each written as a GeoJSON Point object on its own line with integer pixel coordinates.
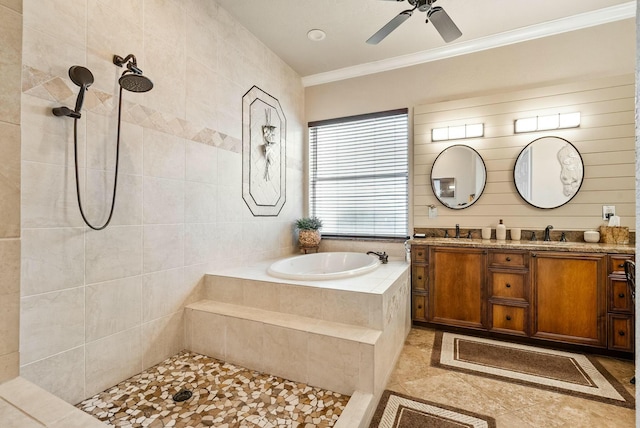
{"type": "Point", "coordinates": [224, 396]}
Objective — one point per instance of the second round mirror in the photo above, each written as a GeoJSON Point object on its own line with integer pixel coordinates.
{"type": "Point", "coordinates": [548, 172]}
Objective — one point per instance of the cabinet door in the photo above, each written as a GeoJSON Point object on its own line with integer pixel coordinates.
{"type": "Point", "coordinates": [457, 286]}
{"type": "Point", "coordinates": [569, 297]}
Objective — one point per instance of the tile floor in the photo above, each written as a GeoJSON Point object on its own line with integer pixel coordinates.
{"type": "Point", "coordinates": [510, 404]}
{"type": "Point", "coordinates": [224, 396]}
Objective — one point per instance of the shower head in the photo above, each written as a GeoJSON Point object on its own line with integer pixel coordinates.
{"type": "Point", "coordinates": [135, 82]}
{"type": "Point", "coordinates": [82, 77]}
{"type": "Point", "coordinates": [132, 79]}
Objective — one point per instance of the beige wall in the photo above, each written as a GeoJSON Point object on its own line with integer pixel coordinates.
{"type": "Point", "coordinates": [605, 50]}
{"type": "Point", "coordinates": [605, 140]}
{"type": "Point", "coordinates": [597, 52]}
{"type": "Point", "coordinates": [10, 52]}
{"type": "Point", "coordinates": [98, 307]}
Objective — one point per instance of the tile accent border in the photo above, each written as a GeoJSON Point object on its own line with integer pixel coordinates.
{"type": "Point", "coordinates": [49, 87]}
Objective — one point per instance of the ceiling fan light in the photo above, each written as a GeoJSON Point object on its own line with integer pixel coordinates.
{"type": "Point", "coordinates": [443, 24]}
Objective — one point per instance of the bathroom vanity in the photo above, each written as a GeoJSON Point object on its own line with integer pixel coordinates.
{"type": "Point", "coordinates": [569, 293]}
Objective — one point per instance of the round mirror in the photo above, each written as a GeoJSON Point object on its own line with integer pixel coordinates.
{"type": "Point", "coordinates": [458, 177]}
{"type": "Point", "coordinates": [548, 172]}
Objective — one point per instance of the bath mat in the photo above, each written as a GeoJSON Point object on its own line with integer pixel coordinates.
{"type": "Point", "coordinates": [560, 371]}
{"type": "Point", "coordinates": [402, 411]}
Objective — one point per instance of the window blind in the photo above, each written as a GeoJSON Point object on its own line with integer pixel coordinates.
{"type": "Point", "coordinates": [359, 174]}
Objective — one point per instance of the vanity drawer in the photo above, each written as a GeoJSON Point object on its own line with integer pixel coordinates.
{"type": "Point", "coordinates": [619, 296]}
{"type": "Point", "coordinates": [419, 307]}
{"type": "Point", "coordinates": [621, 332]}
{"type": "Point", "coordinates": [509, 259]}
{"type": "Point", "coordinates": [508, 285]}
{"type": "Point", "coordinates": [616, 263]}
{"type": "Point", "coordinates": [419, 254]}
{"type": "Point", "coordinates": [419, 278]}
{"type": "Point", "coordinates": [509, 318]}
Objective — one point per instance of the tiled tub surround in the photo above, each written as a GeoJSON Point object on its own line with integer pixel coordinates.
{"type": "Point", "coordinates": [343, 335]}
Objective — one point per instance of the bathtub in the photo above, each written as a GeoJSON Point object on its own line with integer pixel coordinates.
{"type": "Point", "coordinates": [321, 266]}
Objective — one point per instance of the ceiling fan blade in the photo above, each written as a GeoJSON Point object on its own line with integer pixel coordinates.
{"type": "Point", "coordinates": [444, 24]}
{"type": "Point", "coordinates": [389, 27]}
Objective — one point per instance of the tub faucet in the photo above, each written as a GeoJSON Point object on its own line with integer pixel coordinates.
{"type": "Point", "coordinates": [384, 258]}
{"type": "Point", "coordinates": [547, 233]}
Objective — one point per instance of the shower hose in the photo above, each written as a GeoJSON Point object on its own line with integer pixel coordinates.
{"type": "Point", "coordinates": [115, 178]}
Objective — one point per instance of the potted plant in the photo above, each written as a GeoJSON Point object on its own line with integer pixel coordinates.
{"type": "Point", "coordinates": [309, 231]}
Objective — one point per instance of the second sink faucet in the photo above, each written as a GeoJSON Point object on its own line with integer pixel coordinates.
{"type": "Point", "coordinates": [547, 233]}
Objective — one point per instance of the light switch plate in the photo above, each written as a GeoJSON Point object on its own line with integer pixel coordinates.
{"type": "Point", "coordinates": [433, 212]}
{"type": "Point", "coordinates": [608, 211]}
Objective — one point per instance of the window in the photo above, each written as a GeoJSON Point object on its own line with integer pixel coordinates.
{"type": "Point", "coordinates": [359, 174]}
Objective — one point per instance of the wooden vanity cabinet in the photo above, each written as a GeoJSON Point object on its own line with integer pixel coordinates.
{"type": "Point", "coordinates": [457, 293]}
{"type": "Point", "coordinates": [569, 296]}
{"type": "Point", "coordinates": [560, 296]}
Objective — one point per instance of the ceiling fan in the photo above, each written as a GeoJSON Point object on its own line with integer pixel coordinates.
{"type": "Point", "coordinates": [439, 18]}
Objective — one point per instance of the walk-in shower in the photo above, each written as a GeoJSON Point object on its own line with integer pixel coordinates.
{"type": "Point", "coordinates": [131, 80]}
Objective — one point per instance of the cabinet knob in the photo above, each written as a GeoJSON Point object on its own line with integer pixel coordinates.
{"type": "Point", "coordinates": [508, 259]}
{"type": "Point", "coordinates": [621, 295]}
{"type": "Point", "coordinates": [420, 253]}
{"type": "Point", "coordinates": [419, 277]}
{"type": "Point", "coordinates": [621, 333]}
{"type": "Point", "coordinates": [534, 255]}
{"type": "Point", "coordinates": [508, 317]}
{"type": "Point", "coordinates": [419, 306]}
{"type": "Point", "coordinates": [508, 285]}
{"type": "Point", "coordinates": [621, 265]}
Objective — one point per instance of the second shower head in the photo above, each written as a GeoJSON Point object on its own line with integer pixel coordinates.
{"type": "Point", "coordinates": [132, 79]}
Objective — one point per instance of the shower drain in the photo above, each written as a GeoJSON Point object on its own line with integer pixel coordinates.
{"type": "Point", "coordinates": [183, 395]}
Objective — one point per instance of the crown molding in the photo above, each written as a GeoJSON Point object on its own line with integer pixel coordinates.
{"type": "Point", "coordinates": [532, 32]}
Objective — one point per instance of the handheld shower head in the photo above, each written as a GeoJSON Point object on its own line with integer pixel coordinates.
{"type": "Point", "coordinates": [82, 77]}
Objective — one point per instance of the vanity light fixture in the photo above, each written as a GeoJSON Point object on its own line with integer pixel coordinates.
{"type": "Point", "coordinates": [458, 132]}
{"type": "Point", "coordinates": [544, 123]}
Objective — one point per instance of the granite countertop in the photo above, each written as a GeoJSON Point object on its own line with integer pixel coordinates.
{"type": "Point", "coordinates": [582, 247]}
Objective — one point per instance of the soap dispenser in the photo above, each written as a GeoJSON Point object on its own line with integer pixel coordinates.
{"type": "Point", "coordinates": [501, 231]}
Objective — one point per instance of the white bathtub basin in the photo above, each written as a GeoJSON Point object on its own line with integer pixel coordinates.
{"type": "Point", "coordinates": [321, 266]}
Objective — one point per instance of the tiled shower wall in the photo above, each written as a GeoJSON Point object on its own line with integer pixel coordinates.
{"type": "Point", "coordinates": [100, 306]}
{"type": "Point", "coordinates": [10, 54]}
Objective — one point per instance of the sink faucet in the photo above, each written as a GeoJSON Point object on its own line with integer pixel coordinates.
{"type": "Point", "coordinates": [384, 258]}
{"type": "Point", "coordinates": [457, 231]}
{"type": "Point", "coordinates": [547, 233]}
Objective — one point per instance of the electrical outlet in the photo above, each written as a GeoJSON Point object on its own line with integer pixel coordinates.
{"type": "Point", "coordinates": [608, 211]}
{"type": "Point", "coordinates": [433, 211]}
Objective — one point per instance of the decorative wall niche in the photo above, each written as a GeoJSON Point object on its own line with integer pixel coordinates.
{"type": "Point", "coordinates": [264, 135]}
